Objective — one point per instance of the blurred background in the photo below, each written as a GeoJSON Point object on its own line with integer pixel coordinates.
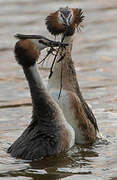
{"type": "Point", "coordinates": [95, 57]}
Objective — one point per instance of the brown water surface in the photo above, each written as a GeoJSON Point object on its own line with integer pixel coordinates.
{"type": "Point", "coordinates": [95, 57]}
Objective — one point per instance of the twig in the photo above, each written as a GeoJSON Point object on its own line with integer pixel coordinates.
{"type": "Point", "coordinates": [61, 82]}
{"type": "Point", "coordinates": [48, 53]}
{"type": "Point", "coordinates": [51, 68]}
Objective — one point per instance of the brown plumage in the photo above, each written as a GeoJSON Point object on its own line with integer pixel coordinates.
{"type": "Point", "coordinates": [78, 17]}
{"type": "Point", "coordinates": [56, 28]}
{"type": "Point", "coordinates": [52, 24]}
{"type": "Point", "coordinates": [82, 121]}
{"type": "Point", "coordinates": [26, 53]}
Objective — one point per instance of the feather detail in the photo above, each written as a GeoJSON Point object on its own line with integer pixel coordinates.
{"type": "Point", "coordinates": [56, 28]}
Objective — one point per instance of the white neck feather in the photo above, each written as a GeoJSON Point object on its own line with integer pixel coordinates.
{"type": "Point", "coordinates": [55, 80]}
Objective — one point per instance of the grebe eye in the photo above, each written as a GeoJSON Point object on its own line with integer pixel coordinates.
{"type": "Point", "coordinates": [40, 41]}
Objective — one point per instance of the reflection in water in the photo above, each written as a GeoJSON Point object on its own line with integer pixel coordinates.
{"type": "Point", "coordinates": [95, 57]}
{"type": "Point", "coordinates": [60, 166]}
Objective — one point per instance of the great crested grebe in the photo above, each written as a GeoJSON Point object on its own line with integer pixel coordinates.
{"type": "Point", "coordinates": [75, 109]}
{"type": "Point", "coordinates": [48, 133]}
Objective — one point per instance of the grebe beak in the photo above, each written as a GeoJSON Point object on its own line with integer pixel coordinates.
{"type": "Point", "coordinates": [43, 40]}
{"type": "Point", "coordinates": [51, 43]}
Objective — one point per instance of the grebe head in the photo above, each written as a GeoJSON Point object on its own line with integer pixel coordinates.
{"type": "Point", "coordinates": [65, 19]}
{"type": "Point", "coordinates": [28, 48]}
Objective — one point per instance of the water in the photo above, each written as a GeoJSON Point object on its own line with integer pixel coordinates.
{"type": "Point", "coordinates": [95, 57]}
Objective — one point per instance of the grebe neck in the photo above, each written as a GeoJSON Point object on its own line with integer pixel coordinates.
{"type": "Point", "coordinates": [68, 40]}
{"type": "Point", "coordinates": [66, 67]}
{"type": "Point", "coordinates": [42, 108]}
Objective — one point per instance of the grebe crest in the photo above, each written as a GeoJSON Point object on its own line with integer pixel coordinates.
{"type": "Point", "coordinates": [65, 19]}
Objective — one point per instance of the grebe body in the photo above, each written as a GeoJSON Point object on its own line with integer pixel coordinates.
{"type": "Point", "coordinates": [48, 133]}
{"type": "Point", "coordinates": [76, 110]}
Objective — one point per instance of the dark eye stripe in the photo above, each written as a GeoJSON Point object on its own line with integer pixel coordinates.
{"type": "Point", "coordinates": [69, 18]}
{"type": "Point", "coordinates": [63, 17]}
